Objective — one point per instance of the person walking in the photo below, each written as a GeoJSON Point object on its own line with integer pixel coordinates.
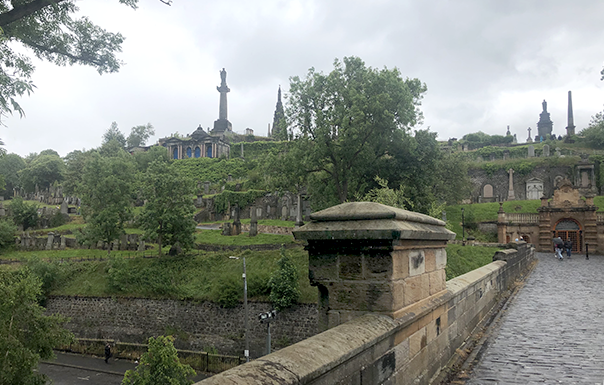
{"type": "Point", "coordinates": [568, 246]}
{"type": "Point", "coordinates": [107, 352]}
{"type": "Point", "coordinates": [558, 245]}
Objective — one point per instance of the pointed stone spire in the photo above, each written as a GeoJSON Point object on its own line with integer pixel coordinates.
{"type": "Point", "coordinates": [279, 128]}
{"type": "Point", "coordinates": [570, 128]}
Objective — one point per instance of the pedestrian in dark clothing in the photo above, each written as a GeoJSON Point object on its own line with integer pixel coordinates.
{"type": "Point", "coordinates": [568, 245]}
{"type": "Point", "coordinates": [107, 352]}
{"type": "Point", "coordinates": [558, 246]}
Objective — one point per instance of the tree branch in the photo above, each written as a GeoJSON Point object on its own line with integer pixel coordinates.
{"type": "Point", "coordinates": [24, 10]}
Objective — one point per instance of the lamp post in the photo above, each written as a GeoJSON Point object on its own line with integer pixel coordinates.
{"type": "Point", "coordinates": [267, 318]}
{"type": "Point", "coordinates": [246, 353]}
{"type": "Point", "coordinates": [463, 228]}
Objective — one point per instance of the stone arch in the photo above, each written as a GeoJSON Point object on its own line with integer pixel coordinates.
{"type": "Point", "coordinates": [175, 153]}
{"type": "Point", "coordinates": [197, 152]}
{"type": "Point", "coordinates": [209, 151]}
{"type": "Point", "coordinates": [567, 228]}
{"type": "Point", "coordinates": [189, 152]}
{"type": "Point", "coordinates": [526, 238]}
{"type": "Point", "coordinates": [487, 191]}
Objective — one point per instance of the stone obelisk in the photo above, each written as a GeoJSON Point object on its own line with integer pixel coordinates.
{"type": "Point", "coordinates": [570, 128]}
{"type": "Point", "coordinates": [222, 124]}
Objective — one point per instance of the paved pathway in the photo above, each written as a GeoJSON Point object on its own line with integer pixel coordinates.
{"type": "Point", "coordinates": [553, 331]}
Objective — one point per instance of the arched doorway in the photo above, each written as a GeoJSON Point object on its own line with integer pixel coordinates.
{"type": "Point", "coordinates": [570, 228]}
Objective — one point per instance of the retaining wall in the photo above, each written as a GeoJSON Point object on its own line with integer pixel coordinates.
{"type": "Point", "coordinates": [196, 325]}
{"type": "Point", "coordinates": [410, 348]}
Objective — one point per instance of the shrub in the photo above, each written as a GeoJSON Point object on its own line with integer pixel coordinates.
{"type": "Point", "coordinates": [7, 235]}
{"type": "Point", "coordinates": [285, 290]}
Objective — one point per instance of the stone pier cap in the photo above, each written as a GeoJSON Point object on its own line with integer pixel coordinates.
{"type": "Point", "coordinates": [369, 220]}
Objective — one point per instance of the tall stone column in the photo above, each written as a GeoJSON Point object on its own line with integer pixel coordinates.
{"type": "Point", "coordinates": [366, 257]}
{"type": "Point", "coordinates": [222, 124]}
{"type": "Point", "coordinates": [511, 195]}
{"type": "Point", "coordinates": [502, 227]}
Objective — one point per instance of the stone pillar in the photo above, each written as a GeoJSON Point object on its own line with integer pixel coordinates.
{"type": "Point", "coordinates": [253, 222]}
{"type": "Point", "coordinates": [366, 257]}
{"type": "Point", "coordinates": [502, 227]}
{"type": "Point", "coordinates": [299, 221]}
{"type": "Point", "coordinates": [141, 245]}
{"type": "Point", "coordinates": [63, 243]}
{"type": "Point", "coordinates": [511, 195]}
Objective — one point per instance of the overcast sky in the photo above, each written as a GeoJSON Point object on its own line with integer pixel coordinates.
{"type": "Point", "coordinates": [487, 64]}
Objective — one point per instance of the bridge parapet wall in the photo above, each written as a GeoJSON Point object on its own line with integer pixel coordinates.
{"type": "Point", "coordinates": [409, 345]}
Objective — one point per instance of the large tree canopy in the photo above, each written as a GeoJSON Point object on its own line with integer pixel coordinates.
{"type": "Point", "coordinates": [348, 119]}
{"type": "Point", "coordinates": [49, 29]}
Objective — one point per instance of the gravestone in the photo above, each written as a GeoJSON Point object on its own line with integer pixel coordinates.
{"type": "Point", "coordinates": [230, 178]}
{"type": "Point", "coordinates": [51, 239]}
{"type": "Point", "coordinates": [141, 246]}
{"type": "Point", "coordinates": [236, 223]}
{"type": "Point", "coordinates": [124, 242]}
{"type": "Point", "coordinates": [284, 213]}
{"type": "Point", "coordinates": [531, 151]}
{"type": "Point", "coordinates": [479, 158]}
{"type": "Point", "coordinates": [206, 187]}
{"type": "Point", "coordinates": [546, 150]}
{"type": "Point", "coordinates": [226, 229]}
{"type": "Point", "coordinates": [492, 157]}
{"type": "Point", "coordinates": [64, 208]}
{"type": "Point", "coordinates": [558, 153]}
{"type": "Point", "coordinates": [506, 154]}
{"type": "Point", "coordinates": [253, 223]}
{"type": "Point", "coordinates": [63, 243]}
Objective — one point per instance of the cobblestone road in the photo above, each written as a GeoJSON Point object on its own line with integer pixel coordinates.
{"type": "Point", "coordinates": [553, 331]}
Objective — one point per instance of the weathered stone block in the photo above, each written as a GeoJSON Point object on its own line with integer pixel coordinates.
{"type": "Point", "coordinates": [430, 256]}
{"type": "Point", "coordinates": [400, 264]}
{"type": "Point", "coordinates": [417, 262]}
{"type": "Point", "coordinates": [351, 267]}
{"type": "Point", "coordinates": [416, 288]}
{"type": "Point", "coordinates": [417, 341]}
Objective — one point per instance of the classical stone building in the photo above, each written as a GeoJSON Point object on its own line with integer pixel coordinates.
{"type": "Point", "coordinates": [569, 214]}
{"type": "Point", "coordinates": [199, 144]}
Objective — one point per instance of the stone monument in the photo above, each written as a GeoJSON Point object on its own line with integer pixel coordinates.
{"type": "Point", "coordinates": [511, 195]}
{"type": "Point", "coordinates": [570, 128]}
{"type": "Point", "coordinates": [545, 124]}
{"type": "Point", "coordinates": [222, 125]}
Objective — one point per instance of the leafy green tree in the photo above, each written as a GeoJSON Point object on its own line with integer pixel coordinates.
{"type": "Point", "coordinates": [7, 234]}
{"type": "Point", "coordinates": [168, 212]}
{"type": "Point", "coordinates": [346, 120]}
{"type": "Point", "coordinates": [42, 171]}
{"type": "Point", "coordinates": [10, 165]}
{"type": "Point", "coordinates": [106, 192]}
{"type": "Point", "coordinates": [594, 133]}
{"type": "Point", "coordinates": [285, 288]}
{"type": "Point", "coordinates": [74, 168]}
{"type": "Point", "coordinates": [144, 158]}
{"type": "Point", "coordinates": [50, 30]}
{"type": "Point", "coordinates": [24, 214]}
{"type": "Point", "coordinates": [160, 366]}
{"type": "Point", "coordinates": [388, 196]}
{"type": "Point", "coordinates": [139, 135]}
{"type": "Point", "coordinates": [114, 134]}
{"type": "Point", "coordinates": [26, 334]}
